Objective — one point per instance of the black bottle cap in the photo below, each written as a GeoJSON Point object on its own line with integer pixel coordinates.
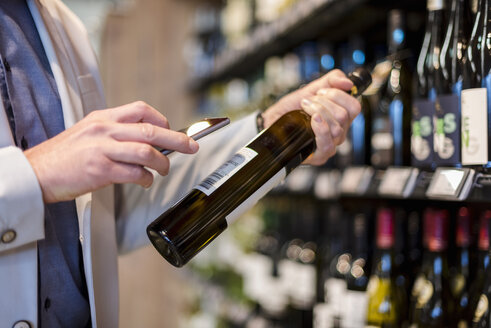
{"type": "Point", "coordinates": [361, 79]}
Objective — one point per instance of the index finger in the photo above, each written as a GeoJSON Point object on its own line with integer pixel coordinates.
{"type": "Point", "coordinates": [138, 112]}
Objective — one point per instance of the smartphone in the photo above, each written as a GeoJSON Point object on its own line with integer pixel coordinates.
{"type": "Point", "coordinates": [200, 129]}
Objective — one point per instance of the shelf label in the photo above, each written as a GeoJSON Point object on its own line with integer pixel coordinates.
{"type": "Point", "coordinates": [326, 184]}
{"type": "Point", "coordinates": [451, 183]}
{"type": "Point", "coordinates": [398, 181]}
{"type": "Point", "coordinates": [356, 180]}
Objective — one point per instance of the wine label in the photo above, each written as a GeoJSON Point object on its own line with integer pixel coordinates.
{"type": "Point", "coordinates": [433, 5]}
{"type": "Point", "coordinates": [256, 196]}
{"type": "Point", "coordinates": [227, 170]}
{"type": "Point", "coordinates": [323, 317]}
{"type": "Point", "coordinates": [474, 126]}
{"type": "Point", "coordinates": [334, 292]}
{"type": "Point", "coordinates": [305, 280]}
{"type": "Point", "coordinates": [258, 269]}
{"type": "Point", "coordinates": [446, 136]}
{"type": "Point", "coordinates": [382, 142]}
{"type": "Point", "coordinates": [482, 308]}
{"type": "Point", "coordinates": [355, 309]}
{"type": "Point", "coordinates": [422, 133]}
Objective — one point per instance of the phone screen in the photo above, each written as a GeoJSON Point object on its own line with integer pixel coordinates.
{"type": "Point", "coordinates": [201, 128]}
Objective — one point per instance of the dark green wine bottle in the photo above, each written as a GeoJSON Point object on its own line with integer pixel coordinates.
{"type": "Point", "coordinates": [198, 218]}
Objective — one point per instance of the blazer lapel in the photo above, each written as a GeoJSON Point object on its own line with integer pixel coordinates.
{"type": "Point", "coordinates": [6, 138]}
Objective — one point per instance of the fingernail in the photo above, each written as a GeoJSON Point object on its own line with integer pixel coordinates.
{"type": "Point", "coordinates": [322, 92]}
{"type": "Point", "coordinates": [193, 145]}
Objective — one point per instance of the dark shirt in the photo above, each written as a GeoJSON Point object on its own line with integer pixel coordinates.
{"type": "Point", "coordinates": [33, 106]}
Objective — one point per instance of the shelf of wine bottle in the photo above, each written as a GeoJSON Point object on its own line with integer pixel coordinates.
{"type": "Point", "coordinates": [305, 20]}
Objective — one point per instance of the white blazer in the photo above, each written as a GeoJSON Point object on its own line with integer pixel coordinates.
{"type": "Point", "coordinates": [108, 218]}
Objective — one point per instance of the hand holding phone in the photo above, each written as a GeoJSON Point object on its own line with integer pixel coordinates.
{"type": "Point", "coordinates": [200, 129]}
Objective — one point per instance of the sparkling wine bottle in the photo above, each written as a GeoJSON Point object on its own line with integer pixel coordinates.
{"type": "Point", "coordinates": [384, 296]}
{"type": "Point", "coordinates": [198, 218]}
{"type": "Point", "coordinates": [475, 97]}
{"type": "Point", "coordinates": [432, 304]}
{"type": "Point", "coordinates": [460, 272]}
{"type": "Point", "coordinates": [447, 104]}
{"type": "Point", "coordinates": [356, 299]}
{"type": "Point", "coordinates": [390, 142]}
{"type": "Point", "coordinates": [427, 82]}
{"type": "Point", "coordinates": [478, 280]}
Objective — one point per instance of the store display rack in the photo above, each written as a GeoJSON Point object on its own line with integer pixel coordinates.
{"type": "Point", "coordinates": [305, 20]}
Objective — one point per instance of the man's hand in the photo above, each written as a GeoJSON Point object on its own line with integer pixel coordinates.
{"type": "Point", "coordinates": [108, 146]}
{"type": "Point", "coordinates": [331, 108]}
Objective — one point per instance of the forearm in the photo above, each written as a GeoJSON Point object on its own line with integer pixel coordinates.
{"type": "Point", "coordinates": [21, 202]}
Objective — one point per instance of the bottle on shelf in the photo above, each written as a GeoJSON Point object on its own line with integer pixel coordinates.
{"type": "Point", "coordinates": [482, 264]}
{"type": "Point", "coordinates": [384, 296]}
{"type": "Point", "coordinates": [481, 317]}
{"type": "Point", "coordinates": [475, 96]}
{"type": "Point", "coordinates": [460, 274]}
{"type": "Point", "coordinates": [431, 298]}
{"type": "Point", "coordinates": [301, 277]}
{"type": "Point", "coordinates": [334, 265]}
{"type": "Point", "coordinates": [356, 299]}
{"type": "Point", "coordinates": [447, 120]}
{"type": "Point", "coordinates": [429, 78]}
{"type": "Point", "coordinates": [198, 218]}
{"type": "Point", "coordinates": [390, 141]}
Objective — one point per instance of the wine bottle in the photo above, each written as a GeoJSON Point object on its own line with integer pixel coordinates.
{"type": "Point", "coordinates": [198, 218]}
{"type": "Point", "coordinates": [303, 277]}
{"type": "Point", "coordinates": [384, 296]}
{"type": "Point", "coordinates": [460, 272]}
{"type": "Point", "coordinates": [356, 299]}
{"type": "Point", "coordinates": [427, 82]}
{"type": "Point", "coordinates": [479, 277]}
{"type": "Point", "coordinates": [432, 306]}
{"type": "Point", "coordinates": [391, 119]}
{"type": "Point", "coordinates": [333, 267]}
{"type": "Point", "coordinates": [482, 315]}
{"type": "Point", "coordinates": [447, 137]}
{"type": "Point", "coordinates": [475, 97]}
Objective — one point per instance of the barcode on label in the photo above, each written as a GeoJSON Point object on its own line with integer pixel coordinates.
{"type": "Point", "coordinates": [224, 172]}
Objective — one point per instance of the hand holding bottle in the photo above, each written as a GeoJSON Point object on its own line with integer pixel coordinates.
{"type": "Point", "coordinates": [332, 110]}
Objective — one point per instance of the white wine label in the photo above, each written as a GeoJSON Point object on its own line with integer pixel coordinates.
{"type": "Point", "coordinates": [355, 309]}
{"type": "Point", "coordinates": [257, 270]}
{"type": "Point", "coordinates": [334, 291]}
{"type": "Point", "coordinates": [256, 196]}
{"type": "Point", "coordinates": [227, 170]}
{"type": "Point", "coordinates": [304, 294]}
{"type": "Point", "coordinates": [323, 317]}
{"type": "Point", "coordinates": [474, 126]}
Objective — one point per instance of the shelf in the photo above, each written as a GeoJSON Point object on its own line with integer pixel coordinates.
{"type": "Point", "coordinates": [306, 20]}
{"type": "Point", "coordinates": [447, 185]}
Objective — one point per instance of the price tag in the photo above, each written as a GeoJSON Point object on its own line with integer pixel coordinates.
{"type": "Point", "coordinates": [355, 180]}
{"type": "Point", "coordinates": [451, 183]}
{"type": "Point", "coordinates": [398, 181]}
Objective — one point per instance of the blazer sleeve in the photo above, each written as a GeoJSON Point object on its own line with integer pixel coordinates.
{"type": "Point", "coordinates": [136, 207]}
{"type": "Point", "coordinates": [21, 201]}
